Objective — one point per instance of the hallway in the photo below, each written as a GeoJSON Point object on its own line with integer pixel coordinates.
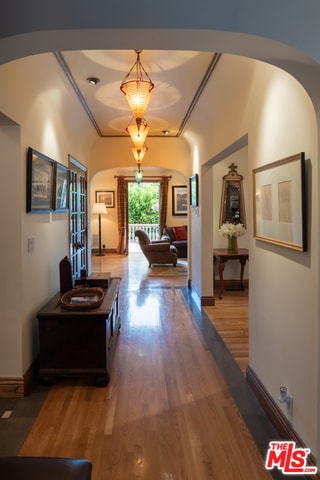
{"type": "Point", "coordinates": [168, 411]}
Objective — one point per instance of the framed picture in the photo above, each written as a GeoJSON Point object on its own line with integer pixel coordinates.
{"type": "Point", "coordinates": [179, 200]}
{"type": "Point", "coordinates": [40, 182]}
{"type": "Point", "coordinates": [194, 187]}
{"type": "Point", "coordinates": [106, 197]}
{"type": "Point", "coordinates": [279, 202]}
{"type": "Point", "coordinates": [61, 188]}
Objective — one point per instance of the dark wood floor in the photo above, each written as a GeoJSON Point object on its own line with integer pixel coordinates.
{"type": "Point", "coordinates": [168, 412]}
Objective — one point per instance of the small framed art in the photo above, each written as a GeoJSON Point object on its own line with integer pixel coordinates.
{"type": "Point", "coordinates": [106, 197]}
{"type": "Point", "coordinates": [179, 200]}
{"type": "Point", "coordinates": [40, 182]}
{"type": "Point", "coordinates": [194, 190]}
{"type": "Point", "coordinates": [61, 188]}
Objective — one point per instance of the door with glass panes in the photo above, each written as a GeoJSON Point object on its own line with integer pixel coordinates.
{"type": "Point", "coordinates": [78, 217]}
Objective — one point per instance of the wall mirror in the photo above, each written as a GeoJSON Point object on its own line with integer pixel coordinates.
{"type": "Point", "coordinates": [232, 208]}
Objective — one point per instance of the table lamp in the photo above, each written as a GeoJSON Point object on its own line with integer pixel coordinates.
{"type": "Point", "coordinates": [99, 209]}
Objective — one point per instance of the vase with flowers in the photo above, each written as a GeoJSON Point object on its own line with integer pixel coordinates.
{"type": "Point", "coordinates": [232, 231]}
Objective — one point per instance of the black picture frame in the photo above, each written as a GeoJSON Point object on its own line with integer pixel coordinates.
{"type": "Point", "coordinates": [179, 200]}
{"type": "Point", "coordinates": [194, 190]}
{"type": "Point", "coordinates": [61, 188]}
{"type": "Point", "coordinates": [107, 197]}
{"type": "Point", "coordinates": [40, 182]}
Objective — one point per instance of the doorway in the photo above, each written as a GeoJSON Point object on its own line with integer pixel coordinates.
{"type": "Point", "coordinates": [143, 212]}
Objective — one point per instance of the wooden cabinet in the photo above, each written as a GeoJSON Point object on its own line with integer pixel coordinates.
{"type": "Point", "coordinates": [78, 342]}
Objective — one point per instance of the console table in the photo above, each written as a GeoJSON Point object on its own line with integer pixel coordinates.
{"type": "Point", "coordinates": [222, 256]}
{"type": "Point", "coordinates": [79, 342]}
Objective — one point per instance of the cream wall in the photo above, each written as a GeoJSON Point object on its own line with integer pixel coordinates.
{"type": "Point", "coordinates": [48, 117]}
{"type": "Point", "coordinates": [105, 180]}
{"type": "Point", "coordinates": [278, 117]}
{"type": "Point", "coordinates": [251, 90]}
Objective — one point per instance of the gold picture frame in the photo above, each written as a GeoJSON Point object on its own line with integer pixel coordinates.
{"type": "Point", "coordinates": [280, 204]}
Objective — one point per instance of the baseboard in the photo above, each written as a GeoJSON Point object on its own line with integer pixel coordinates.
{"type": "Point", "coordinates": [11, 387]}
{"type": "Point", "coordinates": [207, 301]}
{"type": "Point", "coordinates": [104, 250]}
{"type": "Point", "coordinates": [19, 386]}
{"type": "Point", "coordinates": [275, 414]}
{"type": "Point", "coordinates": [231, 284]}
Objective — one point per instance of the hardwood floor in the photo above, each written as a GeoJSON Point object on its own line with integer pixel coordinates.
{"type": "Point", "coordinates": [230, 318]}
{"type": "Point", "coordinates": [167, 413]}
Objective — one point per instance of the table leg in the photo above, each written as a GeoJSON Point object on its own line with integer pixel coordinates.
{"type": "Point", "coordinates": [221, 268]}
{"type": "Point", "coordinates": [242, 263]}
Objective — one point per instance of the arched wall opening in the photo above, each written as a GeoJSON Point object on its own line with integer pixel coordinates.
{"type": "Point", "coordinates": [306, 72]}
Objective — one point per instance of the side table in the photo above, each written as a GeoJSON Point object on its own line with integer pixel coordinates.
{"type": "Point", "coordinates": [222, 256]}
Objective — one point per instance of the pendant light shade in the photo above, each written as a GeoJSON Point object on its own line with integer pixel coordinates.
{"type": "Point", "coordinates": [138, 132]}
{"type": "Point", "coordinates": [137, 88]}
{"type": "Point", "coordinates": [139, 153]}
{"type": "Point", "coordinates": [138, 175]}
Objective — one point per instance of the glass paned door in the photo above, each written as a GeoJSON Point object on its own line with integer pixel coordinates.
{"type": "Point", "coordinates": [78, 217]}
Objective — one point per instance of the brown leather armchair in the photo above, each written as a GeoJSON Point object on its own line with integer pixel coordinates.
{"type": "Point", "coordinates": [48, 468]}
{"type": "Point", "coordinates": [160, 251]}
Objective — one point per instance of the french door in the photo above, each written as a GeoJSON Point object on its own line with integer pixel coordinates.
{"type": "Point", "coordinates": [78, 225]}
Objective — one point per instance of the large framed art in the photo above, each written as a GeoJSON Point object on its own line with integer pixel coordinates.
{"type": "Point", "coordinates": [280, 204]}
{"type": "Point", "coordinates": [179, 200]}
{"type": "Point", "coordinates": [40, 182]}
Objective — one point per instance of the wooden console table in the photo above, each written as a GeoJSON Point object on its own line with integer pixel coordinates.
{"type": "Point", "coordinates": [79, 342]}
{"type": "Point", "coordinates": [222, 256]}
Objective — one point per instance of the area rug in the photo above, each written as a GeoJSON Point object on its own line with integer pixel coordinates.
{"type": "Point", "coordinates": [168, 270]}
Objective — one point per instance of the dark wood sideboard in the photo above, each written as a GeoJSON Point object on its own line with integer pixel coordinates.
{"type": "Point", "coordinates": [79, 342]}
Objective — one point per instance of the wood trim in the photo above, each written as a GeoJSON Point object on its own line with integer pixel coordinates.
{"type": "Point", "coordinates": [11, 387]}
{"type": "Point", "coordinates": [275, 414]}
{"type": "Point", "coordinates": [207, 301]}
{"type": "Point", "coordinates": [17, 387]}
{"type": "Point", "coordinates": [231, 284]}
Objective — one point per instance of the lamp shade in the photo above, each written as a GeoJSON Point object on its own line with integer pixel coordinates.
{"type": "Point", "coordinates": [137, 88]}
{"type": "Point", "coordinates": [138, 133]}
{"type": "Point", "coordinates": [138, 175]}
{"type": "Point", "coordinates": [99, 208]}
{"type": "Point", "coordinates": [139, 153]}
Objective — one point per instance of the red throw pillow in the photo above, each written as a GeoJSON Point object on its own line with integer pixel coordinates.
{"type": "Point", "coordinates": [180, 233]}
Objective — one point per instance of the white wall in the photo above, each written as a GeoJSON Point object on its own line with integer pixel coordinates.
{"type": "Point", "coordinates": [49, 116]}
{"type": "Point", "coordinates": [105, 180]}
{"type": "Point", "coordinates": [283, 297]}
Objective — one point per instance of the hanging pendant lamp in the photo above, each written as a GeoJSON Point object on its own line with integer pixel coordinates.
{"type": "Point", "coordinates": [138, 174]}
{"type": "Point", "coordinates": [137, 87]}
{"type": "Point", "coordinates": [138, 132]}
{"type": "Point", "coordinates": [139, 153]}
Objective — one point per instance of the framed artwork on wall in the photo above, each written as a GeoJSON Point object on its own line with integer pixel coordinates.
{"type": "Point", "coordinates": [280, 204]}
{"type": "Point", "coordinates": [194, 190]}
{"type": "Point", "coordinates": [106, 197]}
{"type": "Point", "coordinates": [179, 200]}
{"type": "Point", "coordinates": [61, 188]}
{"type": "Point", "coordinates": [40, 182]}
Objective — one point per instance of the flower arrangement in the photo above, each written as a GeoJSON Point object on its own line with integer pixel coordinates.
{"type": "Point", "coordinates": [229, 230]}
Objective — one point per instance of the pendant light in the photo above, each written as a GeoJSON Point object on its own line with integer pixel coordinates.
{"type": "Point", "coordinates": [138, 132]}
{"type": "Point", "coordinates": [137, 87]}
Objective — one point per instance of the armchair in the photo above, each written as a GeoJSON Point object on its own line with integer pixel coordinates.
{"type": "Point", "coordinates": [156, 251]}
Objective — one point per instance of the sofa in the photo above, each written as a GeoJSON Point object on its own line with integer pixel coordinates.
{"type": "Point", "coordinates": [178, 237]}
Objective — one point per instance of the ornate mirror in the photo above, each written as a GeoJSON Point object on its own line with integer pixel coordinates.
{"type": "Point", "coordinates": [232, 200]}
